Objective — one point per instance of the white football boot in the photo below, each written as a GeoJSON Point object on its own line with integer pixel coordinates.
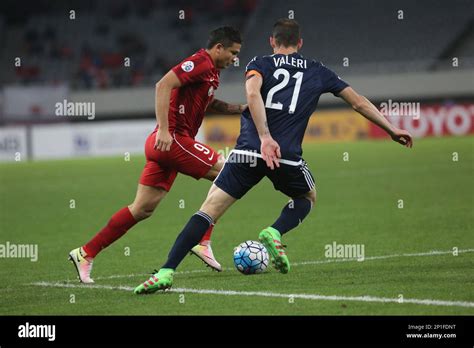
{"type": "Point", "coordinates": [204, 252]}
{"type": "Point", "coordinates": [83, 265]}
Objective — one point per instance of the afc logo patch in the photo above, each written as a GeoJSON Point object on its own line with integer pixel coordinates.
{"type": "Point", "coordinates": [187, 66]}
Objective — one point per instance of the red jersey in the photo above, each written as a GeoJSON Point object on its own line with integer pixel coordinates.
{"type": "Point", "coordinates": [188, 103]}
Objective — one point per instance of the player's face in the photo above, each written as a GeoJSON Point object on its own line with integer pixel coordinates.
{"type": "Point", "coordinates": [227, 55]}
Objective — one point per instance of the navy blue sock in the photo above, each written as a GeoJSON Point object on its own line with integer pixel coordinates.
{"type": "Point", "coordinates": [292, 215]}
{"type": "Point", "coordinates": [188, 238]}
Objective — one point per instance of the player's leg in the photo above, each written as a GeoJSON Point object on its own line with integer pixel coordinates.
{"type": "Point", "coordinates": [214, 206]}
{"type": "Point", "coordinates": [292, 181]}
{"type": "Point", "coordinates": [203, 249]}
{"type": "Point", "coordinates": [215, 169]}
{"type": "Point", "coordinates": [212, 175]}
{"type": "Point", "coordinates": [216, 203]}
{"type": "Point", "coordinates": [146, 200]}
{"type": "Point", "coordinates": [199, 161]}
{"type": "Point", "coordinates": [295, 211]}
{"type": "Point", "coordinates": [155, 182]}
{"type": "Point", "coordinates": [233, 182]}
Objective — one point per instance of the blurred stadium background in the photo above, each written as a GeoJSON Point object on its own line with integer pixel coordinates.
{"type": "Point", "coordinates": [111, 53]}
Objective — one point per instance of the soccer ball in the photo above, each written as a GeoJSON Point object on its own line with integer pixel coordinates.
{"type": "Point", "coordinates": [251, 257]}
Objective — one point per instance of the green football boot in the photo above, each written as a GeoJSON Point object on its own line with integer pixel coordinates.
{"type": "Point", "coordinates": [160, 280]}
{"type": "Point", "coordinates": [271, 238]}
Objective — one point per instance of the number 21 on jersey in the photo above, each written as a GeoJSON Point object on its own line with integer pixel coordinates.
{"type": "Point", "coordinates": [286, 78]}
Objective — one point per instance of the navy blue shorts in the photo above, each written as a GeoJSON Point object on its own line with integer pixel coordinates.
{"type": "Point", "coordinates": [241, 173]}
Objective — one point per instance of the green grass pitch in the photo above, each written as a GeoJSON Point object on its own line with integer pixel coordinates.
{"type": "Point", "coordinates": [358, 203]}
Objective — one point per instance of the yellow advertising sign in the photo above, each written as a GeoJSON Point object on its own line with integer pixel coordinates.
{"type": "Point", "coordinates": [325, 126]}
{"type": "Point", "coordinates": [337, 125]}
{"type": "Point", "coordinates": [222, 129]}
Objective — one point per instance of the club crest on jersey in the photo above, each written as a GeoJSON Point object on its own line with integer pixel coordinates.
{"type": "Point", "coordinates": [211, 91]}
{"type": "Point", "coordinates": [187, 66]}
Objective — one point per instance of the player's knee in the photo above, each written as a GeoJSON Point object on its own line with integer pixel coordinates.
{"type": "Point", "coordinates": [212, 207]}
{"type": "Point", "coordinates": [220, 162]}
{"type": "Point", "coordinates": [216, 168]}
{"type": "Point", "coordinates": [141, 212]}
{"type": "Point", "coordinates": [311, 196]}
{"type": "Point", "coordinates": [146, 212]}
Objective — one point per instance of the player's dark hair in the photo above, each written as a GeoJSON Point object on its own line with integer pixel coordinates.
{"type": "Point", "coordinates": [226, 36]}
{"type": "Point", "coordinates": [286, 32]}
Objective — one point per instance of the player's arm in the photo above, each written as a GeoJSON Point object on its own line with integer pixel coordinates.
{"type": "Point", "coordinates": [163, 90]}
{"type": "Point", "coordinates": [220, 107]}
{"type": "Point", "coordinates": [269, 149]}
{"type": "Point", "coordinates": [364, 107]}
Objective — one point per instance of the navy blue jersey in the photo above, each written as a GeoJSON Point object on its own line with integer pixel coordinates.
{"type": "Point", "coordinates": [291, 89]}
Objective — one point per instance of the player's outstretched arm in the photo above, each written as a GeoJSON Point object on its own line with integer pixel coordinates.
{"type": "Point", "coordinates": [364, 107]}
{"type": "Point", "coordinates": [220, 107]}
{"type": "Point", "coordinates": [269, 149]}
{"type": "Point", "coordinates": [162, 104]}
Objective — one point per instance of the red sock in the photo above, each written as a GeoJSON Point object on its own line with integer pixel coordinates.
{"type": "Point", "coordinates": [120, 223]}
{"type": "Point", "coordinates": [207, 235]}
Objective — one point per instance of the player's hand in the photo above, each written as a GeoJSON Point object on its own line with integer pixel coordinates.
{"type": "Point", "coordinates": [270, 151]}
{"type": "Point", "coordinates": [163, 140]}
{"type": "Point", "coordinates": [403, 137]}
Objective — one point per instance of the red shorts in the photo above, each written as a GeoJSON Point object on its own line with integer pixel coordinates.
{"type": "Point", "coordinates": [186, 156]}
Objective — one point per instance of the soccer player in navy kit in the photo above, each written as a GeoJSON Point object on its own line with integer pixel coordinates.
{"type": "Point", "coordinates": [282, 90]}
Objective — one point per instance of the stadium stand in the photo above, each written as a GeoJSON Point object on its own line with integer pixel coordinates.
{"type": "Point", "coordinates": [89, 51]}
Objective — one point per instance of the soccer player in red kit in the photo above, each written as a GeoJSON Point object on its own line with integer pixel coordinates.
{"type": "Point", "coordinates": [183, 95]}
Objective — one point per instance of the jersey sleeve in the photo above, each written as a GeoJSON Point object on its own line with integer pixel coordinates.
{"type": "Point", "coordinates": [331, 82]}
{"type": "Point", "coordinates": [191, 70]}
{"type": "Point", "coordinates": [254, 67]}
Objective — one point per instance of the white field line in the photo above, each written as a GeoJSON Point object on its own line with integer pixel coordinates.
{"type": "Point", "coordinates": [303, 263]}
{"type": "Point", "coordinates": [315, 297]}
{"type": "Point", "coordinates": [382, 257]}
